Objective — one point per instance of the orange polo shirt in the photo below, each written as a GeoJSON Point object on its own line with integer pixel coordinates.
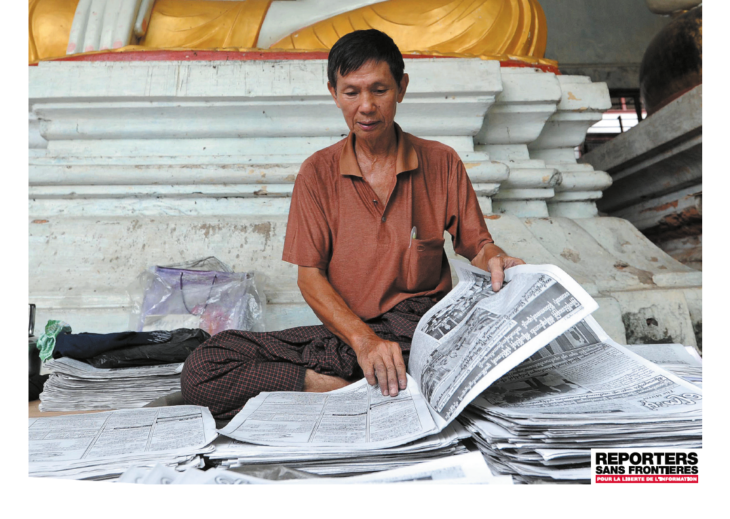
{"type": "Point", "coordinates": [337, 224]}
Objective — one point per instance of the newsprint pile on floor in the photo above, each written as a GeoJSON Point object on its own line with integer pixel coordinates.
{"type": "Point", "coordinates": [74, 385]}
{"type": "Point", "coordinates": [523, 376]}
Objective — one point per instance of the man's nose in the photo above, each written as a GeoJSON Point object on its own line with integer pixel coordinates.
{"type": "Point", "coordinates": [367, 104]}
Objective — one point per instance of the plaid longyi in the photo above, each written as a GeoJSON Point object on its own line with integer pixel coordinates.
{"type": "Point", "coordinates": [233, 366]}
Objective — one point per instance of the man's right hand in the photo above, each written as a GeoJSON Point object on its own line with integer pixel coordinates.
{"type": "Point", "coordinates": [382, 363]}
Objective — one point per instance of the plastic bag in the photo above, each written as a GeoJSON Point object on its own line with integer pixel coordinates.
{"type": "Point", "coordinates": [203, 293]}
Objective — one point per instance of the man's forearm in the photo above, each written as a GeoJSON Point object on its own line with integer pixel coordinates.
{"type": "Point", "coordinates": [331, 309]}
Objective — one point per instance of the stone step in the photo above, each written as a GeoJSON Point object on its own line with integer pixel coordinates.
{"type": "Point", "coordinates": [83, 264]}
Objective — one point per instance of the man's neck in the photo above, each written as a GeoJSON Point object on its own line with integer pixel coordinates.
{"type": "Point", "coordinates": [378, 151]}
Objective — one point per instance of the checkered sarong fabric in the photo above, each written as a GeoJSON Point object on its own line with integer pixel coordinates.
{"type": "Point", "coordinates": [233, 366]}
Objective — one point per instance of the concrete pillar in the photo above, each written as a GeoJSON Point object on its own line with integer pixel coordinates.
{"type": "Point", "coordinates": [581, 105]}
{"type": "Point", "coordinates": [528, 98]}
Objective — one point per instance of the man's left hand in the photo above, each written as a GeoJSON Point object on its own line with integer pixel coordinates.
{"type": "Point", "coordinates": [494, 260]}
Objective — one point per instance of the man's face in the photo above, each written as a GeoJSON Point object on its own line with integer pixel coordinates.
{"type": "Point", "coordinates": [368, 97]}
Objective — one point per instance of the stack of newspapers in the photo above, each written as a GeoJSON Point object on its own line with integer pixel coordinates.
{"type": "Point", "coordinates": [75, 385]}
{"type": "Point", "coordinates": [104, 445]}
{"type": "Point", "coordinates": [341, 461]}
{"type": "Point", "coordinates": [527, 371]}
{"type": "Point", "coordinates": [583, 391]}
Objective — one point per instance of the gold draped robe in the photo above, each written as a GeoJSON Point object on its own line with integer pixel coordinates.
{"type": "Point", "coordinates": [471, 27]}
{"type": "Point", "coordinates": [487, 28]}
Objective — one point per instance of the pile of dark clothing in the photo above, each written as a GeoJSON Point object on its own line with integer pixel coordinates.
{"type": "Point", "coordinates": [130, 349]}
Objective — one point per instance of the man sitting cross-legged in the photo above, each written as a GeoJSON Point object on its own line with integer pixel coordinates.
{"type": "Point", "coordinates": [366, 228]}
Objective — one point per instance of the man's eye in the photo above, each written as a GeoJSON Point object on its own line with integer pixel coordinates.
{"type": "Point", "coordinates": [381, 91]}
{"type": "Point", "coordinates": [350, 94]}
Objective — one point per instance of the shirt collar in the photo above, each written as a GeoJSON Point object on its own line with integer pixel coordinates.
{"type": "Point", "coordinates": [406, 160]}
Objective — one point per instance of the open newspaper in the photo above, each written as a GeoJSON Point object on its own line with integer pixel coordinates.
{"type": "Point", "coordinates": [461, 346]}
{"type": "Point", "coordinates": [107, 443]}
{"type": "Point", "coordinates": [588, 377]}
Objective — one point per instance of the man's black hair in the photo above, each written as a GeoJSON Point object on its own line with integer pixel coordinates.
{"type": "Point", "coordinates": [355, 49]}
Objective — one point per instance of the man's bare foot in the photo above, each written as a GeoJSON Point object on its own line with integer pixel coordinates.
{"type": "Point", "coordinates": [317, 383]}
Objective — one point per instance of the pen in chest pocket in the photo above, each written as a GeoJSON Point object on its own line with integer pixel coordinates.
{"type": "Point", "coordinates": [414, 231]}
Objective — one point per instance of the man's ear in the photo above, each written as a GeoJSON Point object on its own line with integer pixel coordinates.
{"type": "Point", "coordinates": [333, 93]}
{"type": "Point", "coordinates": [402, 87]}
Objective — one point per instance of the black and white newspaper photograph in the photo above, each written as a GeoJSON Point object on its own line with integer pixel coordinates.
{"type": "Point", "coordinates": [534, 305]}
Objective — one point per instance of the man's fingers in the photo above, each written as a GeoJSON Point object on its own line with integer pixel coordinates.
{"type": "Point", "coordinates": [392, 377]}
{"type": "Point", "coordinates": [510, 262]}
{"type": "Point", "coordinates": [495, 268]}
{"type": "Point", "coordinates": [370, 377]}
{"type": "Point", "coordinates": [400, 369]}
{"type": "Point", "coordinates": [400, 366]}
{"type": "Point", "coordinates": [382, 374]}
{"type": "Point", "coordinates": [369, 373]}
{"type": "Point", "coordinates": [390, 373]}
{"type": "Point", "coordinates": [383, 365]}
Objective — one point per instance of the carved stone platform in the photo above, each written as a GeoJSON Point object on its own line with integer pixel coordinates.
{"type": "Point", "coordinates": [140, 163]}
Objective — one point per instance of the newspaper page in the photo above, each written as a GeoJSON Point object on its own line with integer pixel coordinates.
{"type": "Point", "coordinates": [668, 354]}
{"type": "Point", "coordinates": [683, 361]}
{"type": "Point", "coordinates": [584, 372]}
{"type": "Point", "coordinates": [119, 434]}
{"type": "Point", "coordinates": [464, 468]}
{"type": "Point", "coordinates": [163, 475]}
{"type": "Point", "coordinates": [475, 335]}
{"type": "Point", "coordinates": [134, 475]}
{"type": "Point", "coordinates": [467, 468]}
{"type": "Point", "coordinates": [245, 453]}
{"type": "Point", "coordinates": [357, 417]}
{"type": "Point", "coordinates": [462, 345]}
{"type": "Point", "coordinates": [160, 475]}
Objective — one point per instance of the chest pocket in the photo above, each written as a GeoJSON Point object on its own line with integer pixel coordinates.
{"type": "Point", "coordinates": [425, 258]}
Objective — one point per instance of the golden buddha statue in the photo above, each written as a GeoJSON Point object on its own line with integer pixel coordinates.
{"type": "Point", "coordinates": [496, 29]}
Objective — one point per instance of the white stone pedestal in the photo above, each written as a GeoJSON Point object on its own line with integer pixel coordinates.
{"type": "Point", "coordinates": [135, 164]}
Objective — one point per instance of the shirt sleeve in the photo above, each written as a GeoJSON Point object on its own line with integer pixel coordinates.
{"type": "Point", "coordinates": [464, 218]}
{"type": "Point", "coordinates": [308, 241]}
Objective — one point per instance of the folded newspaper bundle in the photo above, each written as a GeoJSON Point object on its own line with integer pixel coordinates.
{"type": "Point", "coordinates": [530, 408]}
{"type": "Point", "coordinates": [582, 391]}
{"type": "Point", "coordinates": [338, 461]}
{"type": "Point", "coordinates": [77, 386]}
{"type": "Point", "coordinates": [461, 469]}
{"type": "Point", "coordinates": [104, 445]}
